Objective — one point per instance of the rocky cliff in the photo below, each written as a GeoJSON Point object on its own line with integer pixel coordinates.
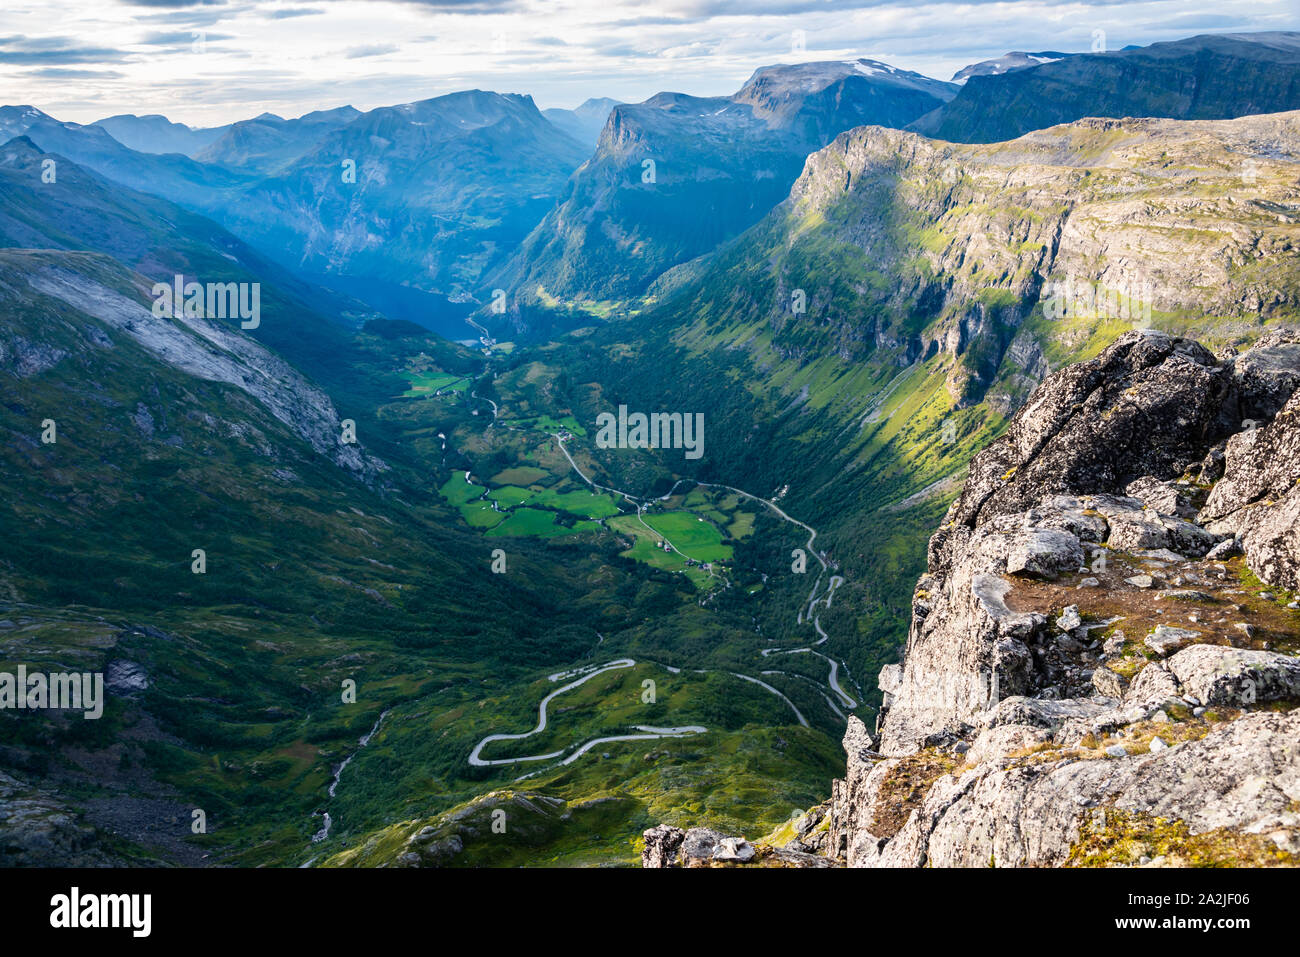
{"type": "Point", "coordinates": [1102, 661]}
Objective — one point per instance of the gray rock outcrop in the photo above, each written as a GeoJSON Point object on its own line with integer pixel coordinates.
{"type": "Point", "coordinates": [1038, 713]}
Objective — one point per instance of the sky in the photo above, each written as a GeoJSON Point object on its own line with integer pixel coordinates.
{"type": "Point", "coordinates": [208, 62]}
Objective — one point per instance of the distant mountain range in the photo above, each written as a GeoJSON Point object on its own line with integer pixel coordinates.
{"type": "Point", "coordinates": [157, 134]}
{"type": "Point", "coordinates": [424, 194]}
{"type": "Point", "coordinates": [1217, 76]}
{"type": "Point", "coordinates": [171, 175]}
{"type": "Point", "coordinates": [586, 121]}
{"type": "Point", "coordinates": [675, 176]}
{"type": "Point", "coordinates": [266, 142]}
{"type": "Point", "coordinates": [463, 194]}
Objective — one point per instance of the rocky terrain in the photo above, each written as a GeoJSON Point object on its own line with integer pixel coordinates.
{"type": "Point", "coordinates": [1102, 663]}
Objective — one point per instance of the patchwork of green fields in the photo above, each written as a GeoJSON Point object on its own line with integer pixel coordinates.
{"type": "Point", "coordinates": [698, 526]}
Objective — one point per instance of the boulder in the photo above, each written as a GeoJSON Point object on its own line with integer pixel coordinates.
{"type": "Point", "coordinates": [1153, 684]}
{"type": "Point", "coordinates": [1165, 639]}
{"type": "Point", "coordinates": [662, 846]}
{"type": "Point", "coordinates": [1165, 498]}
{"type": "Point", "coordinates": [1271, 542]}
{"type": "Point", "coordinates": [1148, 531]}
{"type": "Point", "coordinates": [1267, 375]}
{"type": "Point", "coordinates": [1044, 553]}
{"type": "Point", "coordinates": [1108, 683]}
{"type": "Point", "coordinates": [698, 845]}
{"type": "Point", "coordinates": [996, 743]}
{"type": "Point", "coordinates": [1042, 713]}
{"type": "Point", "coordinates": [1235, 677]}
{"type": "Point", "coordinates": [733, 850]}
{"type": "Point", "coordinates": [1147, 406]}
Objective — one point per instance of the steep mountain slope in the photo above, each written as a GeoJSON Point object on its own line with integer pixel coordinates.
{"type": "Point", "coordinates": [267, 142]}
{"type": "Point", "coordinates": [426, 194]}
{"type": "Point", "coordinates": [857, 346]}
{"type": "Point", "coordinates": [157, 134]}
{"type": "Point", "coordinates": [585, 121]}
{"type": "Point", "coordinates": [676, 175]}
{"type": "Point", "coordinates": [84, 211]}
{"type": "Point", "coordinates": [1205, 77]}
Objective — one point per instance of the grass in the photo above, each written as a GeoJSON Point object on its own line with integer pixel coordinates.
{"type": "Point", "coordinates": [532, 522]}
{"type": "Point", "coordinates": [1111, 837]}
{"type": "Point", "coordinates": [586, 504]}
{"type": "Point", "coordinates": [510, 496]}
{"type": "Point", "coordinates": [459, 491]}
{"type": "Point", "coordinates": [425, 384]}
{"type": "Point", "coordinates": [904, 788]}
{"type": "Point", "coordinates": [696, 537]}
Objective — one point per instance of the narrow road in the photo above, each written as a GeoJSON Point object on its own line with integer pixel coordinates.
{"type": "Point", "coordinates": [474, 758]}
{"type": "Point", "coordinates": [650, 734]}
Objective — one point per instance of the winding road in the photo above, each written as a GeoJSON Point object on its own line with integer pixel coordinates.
{"type": "Point", "coordinates": [647, 732]}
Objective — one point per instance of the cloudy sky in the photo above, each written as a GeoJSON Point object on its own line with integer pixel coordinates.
{"type": "Point", "coordinates": [205, 62]}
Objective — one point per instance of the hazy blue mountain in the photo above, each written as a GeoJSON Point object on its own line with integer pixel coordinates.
{"type": "Point", "coordinates": [154, 133]}
{"type": "Point", "coordinates": [172, 175]}
{"type": "Point", "coordinates": [585, 122]}
{"type": "Point", "coordinates": [442, 188]}
{"type": "Point", "coordinates": [82, 211]}
{"type": "Point", "coordinates": [675, 176]}
{"type": "Point", "coordinates": [267, 142]}
{"type": "Point", "coordinates": [1201, 78]}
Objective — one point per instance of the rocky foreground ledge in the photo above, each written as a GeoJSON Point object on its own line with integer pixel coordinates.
{"type": "Point", "coordinates": [1102, 661]}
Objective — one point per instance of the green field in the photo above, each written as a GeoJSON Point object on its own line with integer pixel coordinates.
{"type": "Point", "coordinates": [583, 504]}
{"type": "Point", "coordinates": [509, 496]}
{"type": "Point", "coordinates": [529, 521]}
{"type": "Point", "coordinates": [695, 536]}
{"type": "Point", "coordinates": [421, 384]}
{"type": "Point", "coordinates": [741, 526]}
{"type": "Point", "coordinates": [458, 491]}
{"type": "Point", "coordinates": [481, 515]}
{"type": "Point", "coordinates": [644, 549]}
{"type": "Point", "coordinates": [549, 423]}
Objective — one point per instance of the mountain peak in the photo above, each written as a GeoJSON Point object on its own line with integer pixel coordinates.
{"type": "Point", "coordinates": [802, 79]}
{"type": "Point", "coordinates": [18, 150]}
{"type": "Point", "coordinates": [1015, 60]}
